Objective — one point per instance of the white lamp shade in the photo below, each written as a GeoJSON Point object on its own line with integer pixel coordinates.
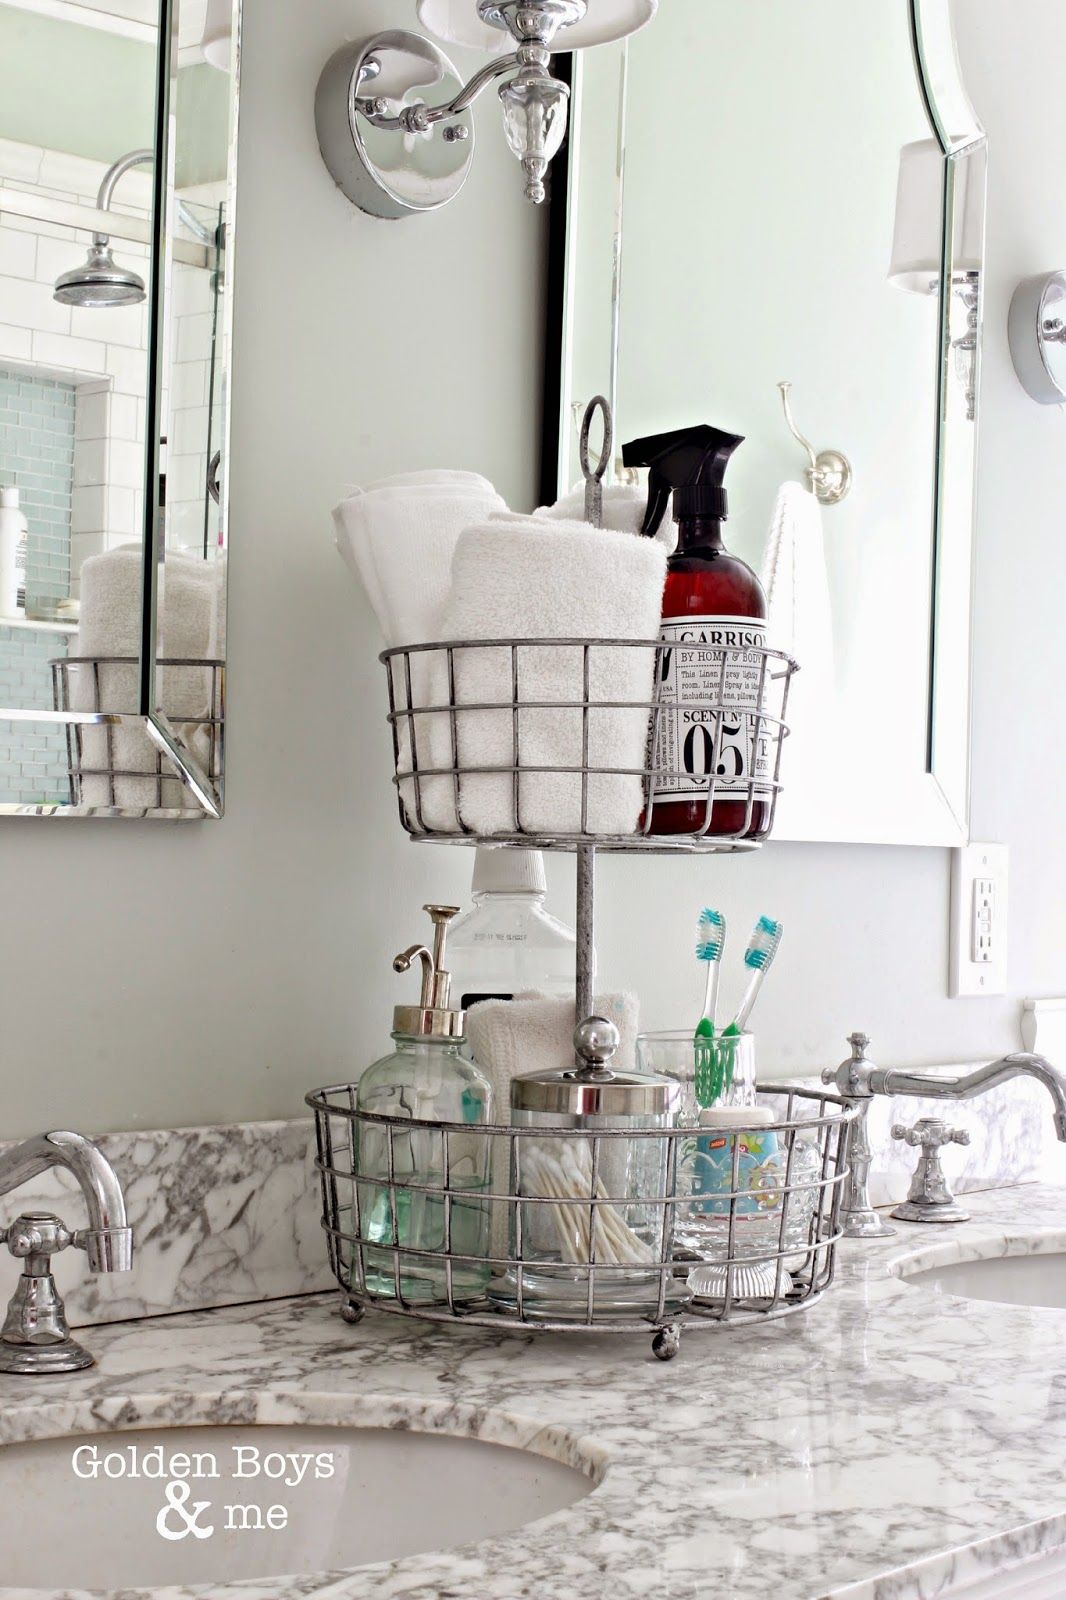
{"type": "Point", "coordinates": [915, 261]}
{"type": "Point", "coordinates": [217, 41]}
{"type": "Point", "coordinates": [457, 22]}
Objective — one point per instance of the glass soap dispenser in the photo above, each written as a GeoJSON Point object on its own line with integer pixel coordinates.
{"type": "Point", "coordinates": [421, 1190]}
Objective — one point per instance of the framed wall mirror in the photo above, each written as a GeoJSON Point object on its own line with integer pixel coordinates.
{"type": "Point", "coordinates": [117, 146]}
{"type": "Point", "coordinates": [746, 208]}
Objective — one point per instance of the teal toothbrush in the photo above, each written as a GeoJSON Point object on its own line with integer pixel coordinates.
{"type": "Point", "coordinates": [710, 942]}
{"type": "Point", "coordinates": [758, 957]}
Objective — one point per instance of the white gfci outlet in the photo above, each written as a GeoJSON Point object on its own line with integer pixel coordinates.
{"type": "Point", "coordinates": [979, 920]}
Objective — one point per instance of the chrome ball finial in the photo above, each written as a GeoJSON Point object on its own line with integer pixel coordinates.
{"type": "Point", "coordinates": [596, 1040]}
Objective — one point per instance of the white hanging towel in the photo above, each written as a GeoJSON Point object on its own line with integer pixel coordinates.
{"type": "Point", "coordinates": [800, 620]}
{"type": "Point", "coordinates": [398, 537]}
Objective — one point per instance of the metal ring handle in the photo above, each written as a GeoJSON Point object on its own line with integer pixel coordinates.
{"type": "Point", "coordinates": [597, 403]}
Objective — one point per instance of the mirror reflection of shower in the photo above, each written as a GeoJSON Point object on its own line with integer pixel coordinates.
{"type": "Point", "coordinates": [100, 281]}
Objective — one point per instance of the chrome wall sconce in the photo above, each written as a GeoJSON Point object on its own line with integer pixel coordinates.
{"type": "Point", "coordinates": [1037, 329]}
{"type": "Point", "coordinates": [916, 246]}
{"type": "Point", "coordinates": [395, 154]}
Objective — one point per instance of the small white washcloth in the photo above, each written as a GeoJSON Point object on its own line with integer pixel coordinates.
{"type": "Point", "coordinates": [624, 510]}
{"type": "Point", "coordinates": [800, 618]}
{"type": "Point", "coordinates": [534, 1033]}
{"type": "Point", "coordinates": [191, 626]}
{"type": "Point", "coordinates": [544, 580]}
{"type": "Point", "coordinates": [398, 537]}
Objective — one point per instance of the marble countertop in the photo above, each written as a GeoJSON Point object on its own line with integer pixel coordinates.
{"type": "Point", "coordinates": [887, 1444]}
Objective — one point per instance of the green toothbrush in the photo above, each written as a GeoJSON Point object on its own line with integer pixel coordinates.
{"type": "Point", "coordinates": [710, 942]}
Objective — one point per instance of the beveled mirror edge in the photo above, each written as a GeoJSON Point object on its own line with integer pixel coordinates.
{"type": "Point", "coordinates": [209, 794]}
{"type": "Point", "coordinates": [930, 808]}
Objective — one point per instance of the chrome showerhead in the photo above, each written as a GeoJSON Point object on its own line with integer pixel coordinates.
{"type": "Point", "coordinates": [100, 281]}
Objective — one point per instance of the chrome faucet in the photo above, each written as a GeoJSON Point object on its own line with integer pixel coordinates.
{"type": "Point", "coordinates": [857, 1080]}
{"type": "Point", "coordinates": [35, 1337]}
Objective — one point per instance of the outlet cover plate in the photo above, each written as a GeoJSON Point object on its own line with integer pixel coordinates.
{"type": "Point", "coordinates": [978, 961]}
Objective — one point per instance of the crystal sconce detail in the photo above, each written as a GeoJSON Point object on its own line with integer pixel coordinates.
{"type": "Point", "coordinates": [395, 154]}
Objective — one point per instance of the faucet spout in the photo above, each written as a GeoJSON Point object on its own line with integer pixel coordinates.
{"type": "Point", "coordinates": [967, 1085]}
{"type": "Point", "coordinates": [108, 1240]}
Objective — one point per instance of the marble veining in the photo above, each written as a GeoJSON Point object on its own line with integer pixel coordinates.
{"type": "Point", "coordinates": [889, 1444]}
{"type": "Point", "coordinates": [220, 1215]}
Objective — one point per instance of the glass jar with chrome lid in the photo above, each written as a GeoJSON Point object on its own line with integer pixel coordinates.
{"type": "Point", "coordinates": [592, 1216]}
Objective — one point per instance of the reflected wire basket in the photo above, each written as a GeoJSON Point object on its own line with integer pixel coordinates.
{"type": "Point", "coordinates": [566, 742]}
{"type": "Point", "coordinates": [117, 765]}
{"type": "Point", "coordinates": [410, 1233]}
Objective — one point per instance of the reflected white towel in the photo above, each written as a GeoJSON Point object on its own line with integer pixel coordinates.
{"type": "Point", "coordinates": [190, 601]}
{"type": "Point", "coordinates": [542, 580]}
{"type": "Point", "coordinates": [398, 536]}
{"type": "Point", "coordinates": [800, 618]}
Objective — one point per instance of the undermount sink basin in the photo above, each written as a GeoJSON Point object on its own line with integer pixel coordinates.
{"type": "Point", "coordinates": [92, 1511]}
{"type": "Point", "coordinates": [1019, 1280]}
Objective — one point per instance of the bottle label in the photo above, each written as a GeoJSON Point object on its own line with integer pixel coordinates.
{"type": "Point", "coordinates": [712, 688]}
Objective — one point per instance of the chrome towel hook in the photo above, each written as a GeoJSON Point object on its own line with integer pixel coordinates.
{"type": "Point", "coordinates": [829, 473]}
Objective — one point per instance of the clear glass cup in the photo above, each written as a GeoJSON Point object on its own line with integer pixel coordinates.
{"type": "Point", "coordinates": [711, 1072]}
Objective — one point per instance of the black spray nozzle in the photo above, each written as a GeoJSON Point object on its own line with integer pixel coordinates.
{"type": "Point", "coordinates": [689, 463]}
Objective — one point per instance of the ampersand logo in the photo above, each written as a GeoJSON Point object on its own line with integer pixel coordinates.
{"type": "Point", "coordinates": [177, 1495]}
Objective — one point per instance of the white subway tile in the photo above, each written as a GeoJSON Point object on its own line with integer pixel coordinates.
{"type": "Point", "coordinates": [121, 513]}
{"type": "Point", "coordinates": [75, 355]}
{"type": "Point", "coordinates": [126, 412]}
{"type": "Point", "coordinates": [30, 305]}
{"type": "Point", "coordinates": [121, 325]}
{"type": "Point", "coordinates": [193, 341]}
{"type": "Point", "coordinates": [15, 343]}
{"type": "Point", "coordinates": [90, 462]}
{"type": "Point", "coordinates": [88, 512]}
{"type": "Point", "coordinates": [129, 368]}
{"type": "Point", "coordinates": [92, 411]}
{"type": "Point", "coordinates": [18, 253]}
{"type": "Point", "coordinates": [190, 384]}
{"type": "Point", "coordinates": [188, 431]}
{"type": "Point", "coordinates": [125, 464]}
{"type": "Point", "coordinates": [82, 546]}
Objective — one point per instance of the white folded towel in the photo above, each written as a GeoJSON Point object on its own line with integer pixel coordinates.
{"type": "Point", "coordinates": [544, 580]}
{"type": "Point", "coordinates": [398, 536]}
{"type": "Point", "coordinates": [191, 626]}
{"type": "Point", "coordinates": [624, 510]}
{"type": "Point", "coordinates": [800, 620]}
{"type": "Point", "coordinates": [535, 1033]}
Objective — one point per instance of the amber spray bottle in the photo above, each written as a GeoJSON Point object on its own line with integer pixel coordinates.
{"type": "Point", "coordinates": [712, 602]}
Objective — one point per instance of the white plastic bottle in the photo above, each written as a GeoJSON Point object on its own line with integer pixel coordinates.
{"type": "Point", "coordinates": [13, 544]}
{"type": "Point", "coordinates": [508, 943]}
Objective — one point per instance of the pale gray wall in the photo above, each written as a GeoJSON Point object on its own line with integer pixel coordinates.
{"type": "Point", "coordinates": [151, 975]}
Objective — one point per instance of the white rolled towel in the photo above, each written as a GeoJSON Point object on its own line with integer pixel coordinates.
{"type": "Point", "coordinates": [190, 602]}
{"type": "Point", "coordinates": [398, 536]}
{"type": "Point", "coordinates": [624, 509]}
{"type": "Point", "coordinates": [544, 580]}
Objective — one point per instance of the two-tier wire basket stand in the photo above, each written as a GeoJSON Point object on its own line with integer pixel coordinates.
{"type": "Point", "coordinates": [553, 744]}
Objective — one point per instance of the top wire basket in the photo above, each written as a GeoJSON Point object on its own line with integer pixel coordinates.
{"type": "Point", "coordinates": [618, 743]}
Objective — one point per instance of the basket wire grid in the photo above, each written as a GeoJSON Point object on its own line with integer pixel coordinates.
{"type": "Point", "coordinates": [374, 1264]}
{"type": "Point", "coordinates": [435, 704]}
{"type": "Point", "coordinates": [78, 683]}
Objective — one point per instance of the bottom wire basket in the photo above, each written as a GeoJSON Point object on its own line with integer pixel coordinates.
{"type": "Point", "coordinates": [647, 1230]}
